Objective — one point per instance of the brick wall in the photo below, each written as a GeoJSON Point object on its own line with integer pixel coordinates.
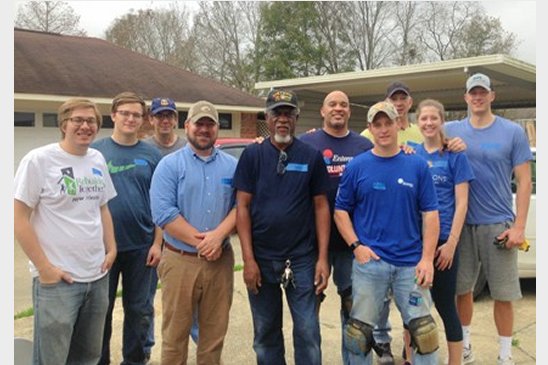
{"type": "Point", "coordinates": [248, 128]}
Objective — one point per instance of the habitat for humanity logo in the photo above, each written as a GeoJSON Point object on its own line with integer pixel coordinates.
{"type": "Point", "coordinates": [404, 183]}
{"type": "Point", "coordinates": [71, 185]}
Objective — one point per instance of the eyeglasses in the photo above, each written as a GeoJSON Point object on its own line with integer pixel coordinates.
{"type": "Point", "coordinates": [79, 121]}
{"type": "Point", "coordinates": [127, 114]}
{"type": "Point", "coordinates": [162, 116]}
{"type": "Point", "coordinates": [280, 168]}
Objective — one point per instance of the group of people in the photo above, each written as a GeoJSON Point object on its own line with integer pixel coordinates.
{"type": "Point", "coordinates": [407, 213]}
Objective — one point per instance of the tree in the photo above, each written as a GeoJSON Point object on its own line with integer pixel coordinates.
{"type": "Point", "coordinates": [226, 33]}
{"type": "Point", "coordinates": [406, 33]}
{"type": "Point", "coordinates": [49, 16]}
{"type": "Point", "coordinates": [483, 35]}
{"type": "Point", "coordinates": [161, 34]}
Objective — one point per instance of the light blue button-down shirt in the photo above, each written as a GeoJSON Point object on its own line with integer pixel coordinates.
{"type": "Point", "coordinates": [199, 189]}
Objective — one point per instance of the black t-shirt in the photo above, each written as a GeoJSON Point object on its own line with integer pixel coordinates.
{"type": "Point", "coordinates": [282, 208]}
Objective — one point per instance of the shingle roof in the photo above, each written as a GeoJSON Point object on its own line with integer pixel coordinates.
{"type": "Point", "coordinates": [53, 64]}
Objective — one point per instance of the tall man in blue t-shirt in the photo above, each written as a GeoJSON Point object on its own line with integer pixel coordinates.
{"type": "Point", "coordinates": [383, 196]}
{"type": "Point", "coordinates": [339, 146]}
{"type": "Point", "coordinates": [131, 164]}
{"type": "Point", "coordinates": [497, 148]}
{"type": "Point", "coordinates": [283, 223]}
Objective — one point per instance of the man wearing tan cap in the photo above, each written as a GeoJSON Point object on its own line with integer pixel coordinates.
{"type": "Point", "coordinates": [382, 194]}
{"type": "Point", "coordinates": [192, 200]}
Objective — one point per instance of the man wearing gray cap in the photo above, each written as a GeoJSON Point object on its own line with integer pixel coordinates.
{"type": "Point", "coordinates": [497, 148]}
{"type": "Point", "coordinates": [192, 200]}
{"type": "Point", "coordinates": [382, 194]}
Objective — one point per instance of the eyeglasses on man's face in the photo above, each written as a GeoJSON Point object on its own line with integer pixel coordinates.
{"type": "Point", "coordinates": [287, 112]}
{"type": "Point", "coordinates": [127, 114]}
{"type": "Point", "coordinates": [282, 158]}
{"type": "Point", "coordinates": [78, 121]}
{"type": "Point", "coordinates": [166, 115]}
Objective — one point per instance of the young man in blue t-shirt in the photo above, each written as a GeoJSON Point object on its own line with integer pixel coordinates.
{"type": "Point", "coordinates": [497, 148]}
{"type": "Point", "coordinates": [383, 195]}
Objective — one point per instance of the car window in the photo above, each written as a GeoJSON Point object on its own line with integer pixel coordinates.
{"type": "Point", "coordinates": [533, 176]}
{"type": "Point", "coordinates": [235, 151]}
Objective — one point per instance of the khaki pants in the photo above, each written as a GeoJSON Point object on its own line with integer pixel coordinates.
{"type": "Point", "coordinates": [190, 283]}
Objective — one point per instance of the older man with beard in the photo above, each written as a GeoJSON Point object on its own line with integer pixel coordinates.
{"type": "Point", "coordinates": [192, 200]}
{"type": "Point", "coordinates": [283, 223]}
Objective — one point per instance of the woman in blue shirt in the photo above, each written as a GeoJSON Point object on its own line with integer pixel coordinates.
{"type": "Point", "coordinates": [451, 173]}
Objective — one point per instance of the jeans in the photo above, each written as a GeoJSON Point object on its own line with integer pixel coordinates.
{"type": "Point", "coordinates": [136, 277]}
{"type": "Point", "coordinates": [69, 321]}
{"type": "Point", "coordinates": [381, 333]}
{"type": "Point", "coordinates": [370, 285]}
{"type": "Point", "coordinates": [266, 310]}
{"type": "Point", "coordinates": [341, 262]}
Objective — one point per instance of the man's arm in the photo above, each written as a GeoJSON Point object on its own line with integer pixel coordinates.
{"type": "Point", "coordinates": [323, 227]}
{"type": "Point", "coordinates": [344, 224]}
{"type": "Point", "coordinates": [455, 144]}
{"type": "Point", "coordinates": [431, 232]}
{"type": "Point", "coordinates": [108, 238]}
{"type": "Point", "coordinates": [516, 234]}
{"type": "Point", "coordinates": [252, 274]}
{"type": "Point", "coordinates": [211, 242]}
{"type": "Point", "coordinates": [155, 251]}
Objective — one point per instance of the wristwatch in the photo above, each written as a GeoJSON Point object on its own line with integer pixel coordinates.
{"type": "Point", "coordinates": [355, 245]}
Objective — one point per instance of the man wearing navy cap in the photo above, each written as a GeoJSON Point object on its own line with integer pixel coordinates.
{"type": "Point", "coordinates": [283, 223]}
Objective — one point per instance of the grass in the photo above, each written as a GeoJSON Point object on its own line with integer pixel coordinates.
{"type": "Point", "coordinates": [30, 312]}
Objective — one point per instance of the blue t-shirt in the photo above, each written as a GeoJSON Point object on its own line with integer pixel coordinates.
{"type": "Point", "coordinates": [282, 208]}
{"type": "Point", "coordinates": [131, 169]}
{"type": "Point", "coordinates": [337, 152]}
{"type": "Point", "coordinates": [198, 189]}
{"type": "Point", "coordinates": [385, 197]}
{"type": "Point", "coordinates": [448, 170]}
{"type": "Point", "coordinates": [493, 152]}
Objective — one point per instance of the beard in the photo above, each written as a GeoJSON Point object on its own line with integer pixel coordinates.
{"type": "Point", "coordinates": [282, 139]}
{"type": "Point", "coordinates": [200, 146]}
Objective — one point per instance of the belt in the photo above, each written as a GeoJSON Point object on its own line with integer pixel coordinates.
{"type": "Point", "coordinates": [184, 253]}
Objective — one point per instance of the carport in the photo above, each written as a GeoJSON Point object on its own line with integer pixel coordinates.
{"type": "Point", "coordinates": [514, 82]}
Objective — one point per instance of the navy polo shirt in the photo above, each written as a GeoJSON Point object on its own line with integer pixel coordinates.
{"type": "Point", "coordinates": [282, 208]}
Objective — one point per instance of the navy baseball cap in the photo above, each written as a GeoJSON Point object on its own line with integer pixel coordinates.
{"type": "Point", "coordinates": [161, 104]}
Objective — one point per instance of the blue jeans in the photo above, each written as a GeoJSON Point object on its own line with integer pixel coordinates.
{"type": "Point", "coordinates": [69, 321]}
{"type": "Point", "coordinates": [381, 333]}
{"type": "Point", "coordinates": [136, 278]}
{"type": "Point", "coordinates": [341, 262]}
{"type": "Point", "coordinates": [370, 285]}
{"type": "Point", "coordinates": [266, 310]}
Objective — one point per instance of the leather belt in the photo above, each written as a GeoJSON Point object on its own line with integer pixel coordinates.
{"type": "Point", "coordinates": [184, 253]}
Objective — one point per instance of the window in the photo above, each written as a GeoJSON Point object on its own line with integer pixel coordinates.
{"type": "Point", "coordinates": [182, 118]}
{"type": "Point", "coordinates": [225, 121]}
{"type": "Point", "coordinates": [23, 119]}
{"type": "Point", "coordinates": [49, 120]}
{"type": "Point", "coordinates": [107, 122]}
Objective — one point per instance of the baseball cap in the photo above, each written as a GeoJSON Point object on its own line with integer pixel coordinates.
{"type": "Point", "coordinates": [160, 104]}
{"type": "Point", "coordinates": [278, 98]}
{"type": "Point", "coordinates": [203, 109]}
{"type": "Point", "coordinates": [480, 80]}
{"type": "Point", "coordinates": [395, 87]}
{"type": "Point", "coordinates": [385, 107]}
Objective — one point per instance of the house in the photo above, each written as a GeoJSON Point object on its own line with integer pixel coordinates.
{"type": "Point", "coordinates": [51, 68]}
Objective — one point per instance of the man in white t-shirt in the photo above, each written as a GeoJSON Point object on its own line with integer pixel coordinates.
{"type": "Point", "coordinates": [63, 224]}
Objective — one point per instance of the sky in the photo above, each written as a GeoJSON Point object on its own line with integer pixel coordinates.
{"type": "Point", "coordinates": [518, 17]}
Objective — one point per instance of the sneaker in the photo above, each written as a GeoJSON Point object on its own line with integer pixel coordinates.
{"type": "Point", "coordinates": [467, 355]}
{"type": "Point", "coordinates": [507, 361]}
{"type": "Point", "coordinates": [384, 352]}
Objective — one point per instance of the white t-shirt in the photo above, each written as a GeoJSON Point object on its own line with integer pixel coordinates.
{"type": "Point", "coordinates": [66, 192]}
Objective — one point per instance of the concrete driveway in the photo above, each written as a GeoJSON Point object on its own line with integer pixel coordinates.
{"type": "Point", "coordinates": [238, 344]}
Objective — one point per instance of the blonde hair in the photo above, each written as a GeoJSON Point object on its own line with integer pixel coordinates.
{"type": "Point", "coordinates": [65, 111]}
{"type": "Point", "coordinates": [127, 97]}
{"type": "Point", "coordinates": [441, 111]}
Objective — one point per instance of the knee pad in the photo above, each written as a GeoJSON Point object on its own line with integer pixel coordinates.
{"type": "Point", "coordinates": [358, 337]}
{"type": "Point", "coordinates": [346, 302]}
{"type": "Point", "coordinates": [424, 334]}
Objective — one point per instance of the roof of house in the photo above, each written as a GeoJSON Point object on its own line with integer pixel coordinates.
{"type": "Point", "coordinates": [62, 65]}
